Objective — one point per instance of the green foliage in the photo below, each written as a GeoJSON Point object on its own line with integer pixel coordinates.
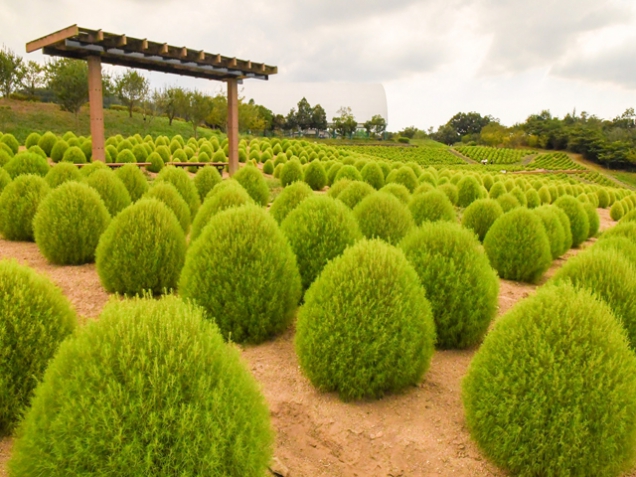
{"type": "Point", "coordinates": [32, 140]}
{"type": "Point", "coordinates": [366, 328]}
{"type": "Point", "coordinates": [148, 389]}
{"type": "Point", "coordinates": [125, 156]}
{"type": "Point", "coordinates": [61, 173]}
{"type": "Point", "coordinates": [254, 183]}
{"type": "Point", "coordinates": [372, 174]}
{"type": "Point", "coordinates": [567, 229]}
{"type": "Point", "coordinates": [205, 179]}
{"type": "Point", "coordinates": [89, 169]}
{"type": "Point", "coordinates": [169, 195]}
{"type": "Point", "coordinates": [603, 198]}
{"type": "Point", "coordinates": [252, 288]}
{"type": "Point", "coordinates": [37, 150]}
{"type": "Point", "coordinates": [382, 215]}
{"type": "Point", "coordinates": [291, 172]}
{"type": "Point", "coordinates": [432, 206]}
{"type": "Point", "coordinates": [288, 200]}
{"type": "Point", "coordinates": [469, 190]}
{"type": "Point", "coordinates": [181, 180]}
{"type": "Point", "coordinates": [579, 221]}
{"type": "Point", "coordinates": [497, 189]}
{"type": "Point", "coordinates": [47, 142]}
{"type": "Point", "coordinates": [69, 223]}
{"type": "Point", "coordinates": [5, 179]}
{"type": "Point", "coordinates": [550, 391]}
{"type": "Point", "coordinates": [35, 318]}
{"type": "Point", "coordinates": [353, 193]}
{"type": "Point", "coordinates": [18, 204]}
{"type": "Point", "coordinates": [508, 202]}
{"type": "Point", "coordinates": [143, 249]}
{"type": "Point", "coordinates": [57, 153]}
{"type": "Point", "coordinates": [11, 142]}
{"type": "Point", "coordinates": [347, 172]}
{"type": "Point", "coordinates": [156, 162]}
{"type": "Point", "coordinates": [554, 230]}
{"type": "Point", "coordinates": [268, 167]}
{"type": "Point", "coordinates": [518, 246]}
{"type": "Point", "coordinates": [398, 191]}
{"type": "Point", "coordinates": [4, 157]}
{"type": "Point", "coordinates": [27, 163]}
{"type": "Point", "coordinates": [451, 192]}
{"type": "Point", "coordinates": [332, 172]}
{"type": "Point", "coordinates": [405, 176]}
{"type": "Point", "coordinates": [458, 279]}
{"type": "Point", "coordinates": [532, 199]}
{"type": "Point", "coordinates": [624, 245]}
{"type": "Point", "coordinates": [134, 181]}
{"type": "Point", "coordinates": [315, 175]}
{"type": "Point", "coordinates": [140, 153]}
{"type": "Point", "coordinates": [480, 215]}
{"type": "Point", "coordinates": [111, 189]}
{"type": "Point", "coordinates": [319, 230]}
{"type": "Point", "coordinates": [593, 219]}
{"type": "Point", "coordinates": [225, 195]}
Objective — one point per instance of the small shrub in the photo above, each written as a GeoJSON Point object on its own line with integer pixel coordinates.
{"type": "Point", "coordinates": [5, 179]}
{"type": "Point", "coordinates": [354, 192]}
{"type": "Point", "coordinates": [254, 183]}
{"type": "Point", "coordinates": [111, 189]}
{"type": "Point", "coordinates": [405, 176]}
{"type": "Point", "coordinates": [554, 230]}
{"type": "Point", "coordinates": [451, 192]}
{"type": "Point", "coordinates": [205, 179]}
{"type": "Point", "coordinates": [69, 223]}
{"type": "Point", "coordinates": [315, 175]}
{"type": "Point", "coordinates": [382, 215]}
{"type": "Point", "coordinates": [469, 190]}
{"type": "Point", "coordinates": [75, 155]}
{"type": "Point", "coordinates": [89, 169]}
{"type": "Point", "coordinates": [520, 195]}
{"type": "Point", "coordinates": [4, 157]}
{"type": "Point", "coordinates": [35, 318]}
{"type": "Point", "coordinates": [156, 162]}
{"type": "Point", "coordinates": [125, 156]}
{"type": "Point", "coordinates": [575, 416]}
{"type": "Point", "coordinates": [319, 230]}
{"type": "Point", "coordinates": [567, 230]}
{"type": "Point", "coordinates": [366, 328]}
{"type": "Point", "coordinates": [134, 181]}
{"type": "Point", "coordinates": [58, 151]}
{"type": "Point", "coordinates": [508, 202]}
{"type": "Point", "coordinates": [623, 245]}
{"type": "Point", "coordinates": [18, 204]}
{"type": "Point", "coordinates": [458, 279]}
{"type": "Point", "coordinates": [518, 246]}
{"type": "Point", "coordinates": [164, 152]}
{"type": "Point", "coordinates": [32, 140]}
{"type": "Point", "coordinates": [252, 288]}
{"type": "Point", "coordinates": [181, 180]}
{"type": "Point", "coordinates": [579, 221]}
{"type": "Point", "coordinates": [47, 142]}
{"type": "Point", "coordinates": [432, 206]}
{"type": "Point", "coordinates": [593, 219]}
{"type": "Point", "coordinates": [291, 172]}
{"type": "Point", "coordinates": [398, 191]}
{"type": "Point", "coordinates": [348, 172]}
{"type": "Point", "coordinates": [169, 195]}
{"type": "Point", "coordinates": [61, 173]}
{"type": "Point", "coordinates": [148, 389]}
{"type": "Point", "coordinates": [27, 163]}
{"type": "Point", "coordinates": [603, 198]}
{"type": "Point", "coordinates": [544, 195]}
{"type": "Point", "coordinates": [532, 199]}
{"type": "Point", "coordinates": [38, 151]}
{"type": "Point", "coordinates": [288, 200]}
{"type": "Point", "coordinates": [332, 172]}
{"type": "Point", "coordinates": [268, 167]}
{"type": "Point", "coordinates": [480, 215]}
{"type": "Point", "coordinates": [372, 174]}
{"type": "Point", "coordinates": [140, 153]}
{"type": "Point", "coordinates": [498, 189]}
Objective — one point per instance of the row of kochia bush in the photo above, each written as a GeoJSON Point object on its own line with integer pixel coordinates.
{"type": "Point", "coordinates": [379, 294]}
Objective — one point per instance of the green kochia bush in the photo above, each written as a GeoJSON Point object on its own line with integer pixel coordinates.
{"type": "Point", "coordinates": [169, 195]}
{"type": "Point", "coordinates": [75, 155]}
{"type": "Point", "coordinates": [5, 179]}
{"type": "Point", "coordinates": [432, 206]}
{"type": "Point", "coordinates": [27, 163]}
{"type": "Point", "coordinates": [404, 176]}
{"type": "Point", "coordinates": [291, 172]}
{"type": "Point", "coordinates": [205, 180]}
{"type": "Point", "coordinates": [366, 327]}
{"type": "Point", "coordinates": [252, 288]}
{"type": "Point", "coordinates": [69, 223]}
{"type": "Point", "coordinates": [253, 182]}
{"type": "Point", "coordinates": [551, 390]}
{"type": "Point", "coordinates": [180, 179]}
{"type": "Point", "coordinates": [518, 247]}
{"type": "Point", "coordinates": [579, 221]}
{"type": "Point", "coordinates": [480, 215]}
{"type": "Point", "coordinates": [111, 189]}
{"type": "Point", "coordinates": [611, 277]}
{"type": "Point", "coordinates": [143, 249]}
{"type": "Point", "coordinates": [134, 181]}
{"type": "Point", "coordinates": [354, 192]}
{"type": "Point", "coordinates": [18, 204]}
{"type": "Point", "coordinates": [315, 175]}
{"type": "Point", "coordinates": [47, 142]}
{"type": "Point", "coordinates": [458, 279]}
{"type": "Point", "coordinates": [372, 174]}
{"type": "Point", "coordinates": [554, 229]}
{"type": "Point", "coordinates": [149, 389]}
{"type": "Point", "coordinates": [593, 219]}
{"type": "Point", "coordinates": [57, 153]}
{"type": "Point", "coordinates": [381, 215]}
{"type": "Point", "coordinates": [35, 318]}
{"type": "Point", "coordinates": [61, 173]}
{"type": "Point", "coordinates": [469, 190]}
{"type": "Point", "coordinates": [399, 191]}
{"type": "Point", "coordinates": [348, 172]}
{"type": "Point", "coordinates": [624, 245]}
{"type": "Point", "coordinates": [289, 199]}
{"type": "Point", "coordinates": [319, 230]}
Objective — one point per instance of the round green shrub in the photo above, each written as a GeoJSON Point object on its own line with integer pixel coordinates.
{"type": "Point", "coordinates": [47, 142]}
{"type": "Point", "coordinates": [567, 230]}
{"type": "Point", "coordinates": [315, 175]}
{"type": "Point", "coordinates": [180, 156]}
{"type": "Point", "coordinates": [332, 172]}
{"type": "Point", "coordinates": [405, 176]}
{"type": "Point", "coordinates": [603, 198]}
{"type": "Point", "coordinates": [432, 206]}
{"type": "Point", "coordinates": [89, 169]}
{"type": "Point", "coordinates": [508, 202]}
{"type": "Point", "coordinates": [143, 249]}
{"type": "Point", "coordinates": [111, 189]}
{"type": "Point", "coordinates": [164, 152]}
{"type": "Point", "coordinates": [32, 140]}
{"type": "Point", "coordinates": [19, 202]}
{"type": "Point", "coordinates": [354, 192]}
{"type": "Point", "coordinates": [497, 189]}
{"type": "Point", "coordinates": [382, 215]}
{"type": "Point", "coordinates": [148, 389]}
{"type": "Point", "coordinates": [205, 179]}
{"type": "Point", "coordinates": [134, 181]}
{"type": "Point", "coordinates": [579, 221]}
{"type": "Point", "coordinates": [69, 223]}
{"type": "Point", "coordinates": [125, 156]}
{"type": "Point", "coordinates": [520, 195]}
{"type": "Point", "coordinates": [550, 391]}
{"type": "Point", "coordinates": [593, 219]}
{"type": "Point", "coordinates": [291, 172]}
{"type": "Point", "coordinates": [451, 192]}
{"type": "Point", "coordinates": [366, 328]}
{"type": "Point", "coordinates": [623, 245]}
{"type": "Point", "coordinates": [27, 163]}
{"type": "Point", "coordinates": [544, 195]}
{"type": "Point", "coordinates": [518, 246]}
{"type": "Point", "coordinates": [156, 162]}
{"type": "Point", "coordinates": [140, 153]}
{"type": "Point", "coordinates": [251, 289]}
{"type": "Point", "coordinates": [169, 195]}
{"type": "Point", "coordinates": [268, 167]}
{"type": "Point", "coordinates": [254, 183]}
{"type": "Point", "coordinates": [398, 191]}
{"type": "Point", "coordinates": [347, 172]}
{"type": "Point", "coordinates": [181, 180]}
{"type": "Point", "coordinates": [459, 282]}
{"type": "Point", "coordinates": [61, 173]}
{"type": "Point", "coordinates": [532, 199]}
{"type": "Point", "coordinates": [554, 230]}
{"type": "Point", "coordinates": [5, 179]}
{"type": "Point", "coordinates": [288, 200]}
{"type": "Point", "coordinates": [87, 149]}
{"type": "Point", "coordinates": [4, 157]}
{"type": "Point", "coordinates": [372, 174]}
{"type": "Point", "coordinates": [338, 187]}
{"type": "Point", "coordinates": [11, 142]}
{"type": "Point", "coordinates": [58, 151]}
{"type": "Point", "coordinates": [319, 230]}
{"type": "Point", "coordinates": [480, 215]}
{"type": "Point", "coordinates": [37, 150]}
{"type": "Point", "coordinates": [35, 318]}
{"type": "Point", "coordinates": [427, 178]}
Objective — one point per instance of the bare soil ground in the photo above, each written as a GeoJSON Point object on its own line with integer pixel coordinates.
{"type": "Point", "coordinates": [420, 432]}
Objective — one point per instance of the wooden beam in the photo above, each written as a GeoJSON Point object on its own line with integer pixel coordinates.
{"type": "Point", "coordinates": [217, 59]}
{"type": "Point", "coordinates": [122, 41]}
{"type": "Point", "coordinates": [233, 62]}
{"type": "Point", "coordinates": [201, 56]}
{"type": "Point", "coordinates": [184, 52]}
{"type": "Point", "coordinates": [164, 49]}
{"type": "Point", "coordinates": [96, 37]}
{"type": "Point", "coordinates": [96, 107]}
{"type": "Point", "coordinates": [232, 124]}
{"type": "Point", "coordinates": [144, 44]}
{"type": "Point", "coordinates": [53, 38]}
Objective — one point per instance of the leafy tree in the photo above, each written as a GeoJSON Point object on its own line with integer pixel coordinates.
{"type": "Point", "coordinates": [11, 71]}
{"type": "Point", "coordinates": [304, 115]}
{"type": "Point", "coordinates": [33, 77]}
{"type": "Point", "coordinates": [68, 79]}
{"type": "Point", "coordinates": [218, 115]}
{"type": "Point", "coordinates": [291, 121]}
{"type": "Point", "coordinates": [131, 89]}
{"type": "Point", "coordinates": [199, 107]}
{"type": "Point", "coordinates": [152, 106]}
{"type": "Point", "coordinates": [169, 102]}
{"type": "Point", "coordinates": [252, 117]}
{"type": "Point", "coordinates": [318, 118]}
{"type": "Point", "coordinates": [345, 123]}
{"type": "Point", "coordinates": [278, 122]}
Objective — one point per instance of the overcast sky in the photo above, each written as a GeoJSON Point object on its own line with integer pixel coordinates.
{"type": "Point", "coordinates": [507, 58]}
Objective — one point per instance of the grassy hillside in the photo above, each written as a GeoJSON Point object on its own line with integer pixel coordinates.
{"type": "Point", "coordinates": [25, 117]}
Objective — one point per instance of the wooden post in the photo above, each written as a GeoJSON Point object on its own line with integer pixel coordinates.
{"type": "Point", "coordinates": [232, 124]}
{"type": "Point", "coordinates": [96, 106]}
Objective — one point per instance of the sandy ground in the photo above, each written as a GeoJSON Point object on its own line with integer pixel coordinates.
{"type": "Point", "coordinates": [420, 432]}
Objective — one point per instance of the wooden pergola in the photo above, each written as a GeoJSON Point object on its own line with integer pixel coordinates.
{"type": "Point", "coordinates": [97, 47]}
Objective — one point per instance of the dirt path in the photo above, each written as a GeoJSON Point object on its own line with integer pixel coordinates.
{"type": "Point", "coordinates": [528, 159]}
{"type": "Point", "coordinates": [462, 157]}
{"type": "Point", "coordinates": [420, 432]}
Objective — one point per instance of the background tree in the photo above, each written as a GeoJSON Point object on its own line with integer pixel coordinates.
{"type": "Point", "coordinates": [218, 115]}
{"type": "Point", "coordinates": [11, 71]}
{"type": "Point", "coordinates": [345, 123]}
{"type": "Point", "coordinates": [168, 103]}
{"type": "Point", "coordinates": [318, 118]}
{"type": "Point", "coordinates": [33, 78]}
{"type": "Point", "coordinates": [378, 126]}
{"type": "Point", "coordinates": [131, 89]}
{"type": "Point", "coordinates": [253, 117]}
{"type": "Point", "coordinates": [291, 122]}
{"type": "Point", "coordinates": [304, 115]}
{"type": "Point", "coordinates": [199, 107]}
{"type": "Point", "coordinates": [68, 79]}
{"type": "Point", "coordinates": [152, 106]}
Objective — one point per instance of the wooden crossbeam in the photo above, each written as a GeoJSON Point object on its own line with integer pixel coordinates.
{"type": "Point", "coordinates": [53, 38]}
